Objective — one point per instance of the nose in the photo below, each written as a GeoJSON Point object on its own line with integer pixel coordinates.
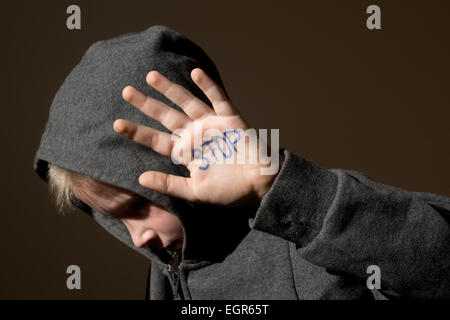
{"type": "Point", "coordinates": [140, 237]}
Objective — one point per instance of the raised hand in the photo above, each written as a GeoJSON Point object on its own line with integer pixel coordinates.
{"type": "Point", "coordinates": [214, 145]}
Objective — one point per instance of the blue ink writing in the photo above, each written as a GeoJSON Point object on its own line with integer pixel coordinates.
{"type": "Point", "coordinates": [230, 145]}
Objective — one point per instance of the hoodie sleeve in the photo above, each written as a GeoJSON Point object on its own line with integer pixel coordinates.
{"type": "Point", "coordinates": [345, 222]}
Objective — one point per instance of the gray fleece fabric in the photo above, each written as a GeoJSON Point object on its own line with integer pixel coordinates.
{"type": "Point", "coordinates": [313, 236]}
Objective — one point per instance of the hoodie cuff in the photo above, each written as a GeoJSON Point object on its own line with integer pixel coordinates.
{"type": "Point", "coordinates": [296, 204]}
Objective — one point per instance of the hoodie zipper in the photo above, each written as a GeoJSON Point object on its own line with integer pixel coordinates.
{"type": "Point", "coordinates": [174, 274]}
{"type": "Point", "coordinates": [175, 281]}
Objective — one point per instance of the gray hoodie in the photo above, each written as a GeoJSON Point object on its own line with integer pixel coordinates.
{"type": "Point", "coordinates": [317, 233]}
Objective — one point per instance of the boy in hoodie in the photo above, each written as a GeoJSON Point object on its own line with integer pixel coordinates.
{"type": "Point", "coordinates": [225, 231]}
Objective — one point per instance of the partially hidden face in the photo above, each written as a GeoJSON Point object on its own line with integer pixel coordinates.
{"type": "Point", "coordinates": [148, 223]}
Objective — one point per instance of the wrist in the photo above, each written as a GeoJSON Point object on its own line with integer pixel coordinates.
{"type": "Point", "coordinates": [264, 182]}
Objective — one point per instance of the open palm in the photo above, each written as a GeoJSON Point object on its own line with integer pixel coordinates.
{"type": "Point", "coordinates": [216, 175]}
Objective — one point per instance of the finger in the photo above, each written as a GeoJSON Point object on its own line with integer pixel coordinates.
{"type": "Point", "coordinates": [155, 109]}
{"type": "Point", "coordinates": [175, 186]}
{"type": "Point", "coordinates": [194, 107]}
{"type": "Point", "coordinates": [159, 141]}
{"type": "Point", "coordinates": [214, 93]}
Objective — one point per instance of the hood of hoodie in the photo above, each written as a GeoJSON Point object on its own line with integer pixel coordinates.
{"type": "Point", "coordinates": [79, 135]}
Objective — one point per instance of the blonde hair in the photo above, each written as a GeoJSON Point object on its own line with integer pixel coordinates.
{"type": "Point", "coordinates": [62, 184]}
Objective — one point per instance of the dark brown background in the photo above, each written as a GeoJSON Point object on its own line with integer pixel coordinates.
{"type": "Point", "coordinates": [342, 96]}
